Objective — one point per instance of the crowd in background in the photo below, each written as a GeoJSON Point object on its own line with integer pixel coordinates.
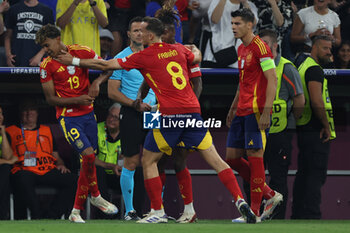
{"type": "Point", "coordinates": [206, 23]}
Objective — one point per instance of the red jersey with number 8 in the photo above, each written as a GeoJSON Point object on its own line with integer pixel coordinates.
{"type": "Point", "coordinates": [69, 81]}
{"type": "Point", "coordinates": [165, 69]}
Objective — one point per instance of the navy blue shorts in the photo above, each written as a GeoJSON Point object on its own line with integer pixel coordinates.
{"type": "Point", "coordinates": [164, 139]}
{"type": "Point", "coordinates": [80, 131]}
{"type": "Point", "coordinates": [244, 133]}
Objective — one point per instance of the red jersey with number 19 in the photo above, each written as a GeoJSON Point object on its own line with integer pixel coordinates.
{"type": "Point", "coordinates": [165, 69]}
{"type": "Point", "coordinates": [252, 81]}
{"type": "Point", "coordinates": [69, 81]}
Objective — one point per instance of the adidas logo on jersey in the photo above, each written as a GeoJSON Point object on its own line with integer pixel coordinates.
{"type": "Point", "coordinates": [61, 69]}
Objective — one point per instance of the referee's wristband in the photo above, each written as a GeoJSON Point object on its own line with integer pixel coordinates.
{"type": "Point", "coordinates": [76, 61]}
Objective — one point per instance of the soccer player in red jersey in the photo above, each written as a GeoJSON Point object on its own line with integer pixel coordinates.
{"type": "Point", "coordinates": [167, 16]}
{"type": "Point", "coordinates": [165, 69]}
{"type": "Point", "coordinates": [68, 88]}
{"type": "Point", "coordinates": [250, 112]}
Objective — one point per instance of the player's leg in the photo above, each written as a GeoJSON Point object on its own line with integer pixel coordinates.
{"type": "Point", "coordinates": [157, 142]}
{"type": "Point", "coordinates": [235, 148]}
{"type": "Point", "coordinates": [241, 133]}
{"type": "Point", "coordinates": [82, 192]}
{"type": "Point", "coordinates": [228, 178]}
{"type": "Point", "coordinates": [81, 133]}
{"type": "Point", "coordinates": [254, 143]}
{"type": "Point", "coordinates": [153, 186]}
{"type": "Point", "coordinates": [184, 181]}
{"type": "Point", "coordinates": [161, 170]}
{"type": "Point", "coordinates": [200, 138]}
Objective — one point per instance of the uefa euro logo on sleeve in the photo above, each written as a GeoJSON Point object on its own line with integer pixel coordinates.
{"type": "Point", "coordinates": [151, 120]}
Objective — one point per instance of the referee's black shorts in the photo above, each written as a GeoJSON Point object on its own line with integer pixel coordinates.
{"type": "Point", "coordinates": [132, 134]}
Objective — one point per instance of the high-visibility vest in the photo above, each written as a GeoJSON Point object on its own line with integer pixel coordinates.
{"type": "Point", "coordinates": [307, 113]}
{"type": "Point", "coordinates": [279, 110]}
{"type": "Point", "coordinates": [108, 151]}
{"type": "Point", "coordinates": [43, 147]}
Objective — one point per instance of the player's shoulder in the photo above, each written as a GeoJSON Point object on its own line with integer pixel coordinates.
{"type": "Point", "coordinates": [77, 47]}
{"type": "Point", "coordinates": [260, 46]}
{"type": "Point", "coordinates": [46, 62]}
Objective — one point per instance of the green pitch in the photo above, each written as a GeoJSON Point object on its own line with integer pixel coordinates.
{"type": "Point", "coordinates": [202, 226]}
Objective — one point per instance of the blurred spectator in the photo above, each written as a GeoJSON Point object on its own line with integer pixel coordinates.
{"type": "Point", "coordinates": [38, 164]}
{"type": "Point", "coordinates": [118, 17]}
{"type": "Point", "coordinates": [154, 5]}
{"type": "Point", "coordinates": [342, 58]}
{"type": "Point", "coordinates": [182, 6]}
{"type": "Point", "coordinates": [109, 151]}
{"type": "Point", "coordinates": [52, 4]}
{"type": "Point", "coordinates": [200, 22]}
{"type": "Point", "coordinates": [4, 6]}
{"type": "Point", "coordinates": [79, 21]}
{"type": "Point", "coordinates": [106, 39]}
{"type": "Point", "coordinates": [219, 14]}
{"type": "Point", "coordinates": [22, 22]}
{"type": "Point", "coordinates": [344, 15]}
{"type": "Point", "coordinates": [6, 160]}
{"type": "Point", "coordinates": [315, 20]}
{"type": "Point", "coordinates": [276, 15]}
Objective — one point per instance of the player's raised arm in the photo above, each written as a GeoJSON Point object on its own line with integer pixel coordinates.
{"type": "Point", "coordinates": [97, 64]}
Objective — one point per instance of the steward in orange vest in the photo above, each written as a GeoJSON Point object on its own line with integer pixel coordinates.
{"type": "Point", "coordinates": [33, 148]}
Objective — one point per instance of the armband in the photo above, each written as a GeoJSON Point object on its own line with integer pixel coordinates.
{"type": "Point", "coordinates": [75, 61]}
{"type": "Point", "coordinates": [267, 65]}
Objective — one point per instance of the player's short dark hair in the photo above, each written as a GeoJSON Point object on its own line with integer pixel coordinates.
{"type": "Point", "coordinates": [154, 25]}
{"type": "Point", "coordinates": [317, 38]}
{"type": "Point", "coordinates": [270, 33]}
{"type": "Point", "coordinates": [137, 19]}
{"type": "Point", "coordinates": [47, 31]}
{"type": "Point", "coordinates": [245, 13]}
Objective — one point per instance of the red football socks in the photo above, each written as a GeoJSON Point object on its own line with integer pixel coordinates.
{"type": "Point", "coordinates": [184, 181]}
{"type": "Point", "coordinates": [153, 187]}
{"type": "Point", "coordinates": [229, 180]}
{"type": "Point", "coordinates": [89, 170]}
{"type": "Point", "coordinates": [257, 182]}
{"type": "Point", "coordinates": [242, 166]}
{"type": "Point", "coordinates": [81, 193]}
